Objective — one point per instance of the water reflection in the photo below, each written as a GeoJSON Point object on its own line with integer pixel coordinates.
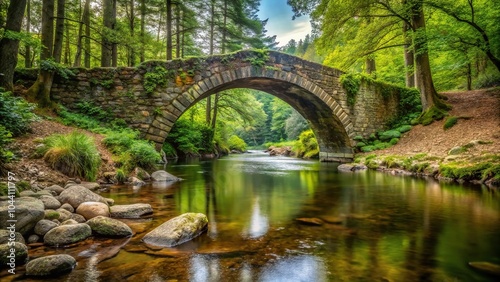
{"type": "Point", "coordinates": [259, 224]}
{"type": "Point", "coordinates": [304, 268]}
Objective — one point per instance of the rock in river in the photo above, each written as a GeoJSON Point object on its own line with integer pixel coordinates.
{"type": "Point", "coordinates": [106, 226]}
{"type": "Point", "coordinates": [75, 195]}
{"type": "Point", "coordinates": [20, 254]}
{"type": "Point", "coordinates": [50, 265]}
{"type": "Point", "coordinates": [162, 175]}
{"type": "Point", "coordinates": [92, 209]}
{"type": "Point", "coordinates": [130, 211]}
{"type": "Point", "coordinates": [67, 234]}
{"type": "Point", "coordinates": [28, 211]}
{"type": "Point", "coordinates": [177, 230]}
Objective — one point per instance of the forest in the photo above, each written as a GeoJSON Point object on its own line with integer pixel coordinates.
{"type": "Point", "coordinates": [433, 46]}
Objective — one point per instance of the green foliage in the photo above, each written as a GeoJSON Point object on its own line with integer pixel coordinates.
{"type": "Point", "coordinates": [5, 155]}
{"type": "Point", "coordinates": [307, 145]}
{"type": "Point", "coordinates": [404, 128]}
{"type": "Point", "coordinates": [74, 154]}
{"type": "Point", "coordinates": [450, 122]}
{"type": "Point", "coordinates": [120, 176]}
{"type": "Point", "coordinates": [236, 143]}
{"type": "Point", "coordinates": [169, 150]}
{"type": "Point", "coordinates": [132, 152]}
{"type": "Point", "coordinates": [258, 58]}
{"type": "Point", "coordinates": [351, 83]}
{"type": "Point", "coordinates": [15, 113]}
{"type": "Point", "coordinates": [52, 66]}
{"type": "Point", "coordinates": [106, 83]}
{"type": "Point", "coordinates": [389, 134]}
{"type": "Point", "coordinates": [158, 76]}
{"type": "Point", "coordinates": [190, 137]}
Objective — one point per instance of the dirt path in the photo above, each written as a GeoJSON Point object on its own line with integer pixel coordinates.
{"type": "Point", "coordinates": [482, 110]}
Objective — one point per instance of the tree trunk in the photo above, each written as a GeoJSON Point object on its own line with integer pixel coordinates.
{"type": "Point", "coordinates": [409, 58]}
{"type": "Point", "coordinates": [10, 47]}
{"type": "Point", "coordinates": [114, 45]}
{"type": "Point", "coordinates": [432, 106]}
{"type": "Point", "coordinates": [214, 117]}
{"type": "Point", "coordinates": [143, 36]}
{"type": "Point", "coordinates": [169, 29]}
{"type": "Point", "coordinates": [59, 33]}
{"type": "Point", "coordinates": [131, 60]}
{"type": "Point", "coordinates": [107, 46]}
{"type": "Point", "coordinates": [67, 49]}
{"type": "Point", "coordinates": [370, 66]}
{"type": "Point", "coordinates": [178, 31]}
{"type": "Point", "coordinates": [27, 58]}
{"type": "Point", "coordinates": [40, 90]}
{"type": "Point", "coordinates": [86, 22]}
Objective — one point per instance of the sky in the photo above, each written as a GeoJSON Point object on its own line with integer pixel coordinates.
{"type": "Point", "coordinates": [280, 21]}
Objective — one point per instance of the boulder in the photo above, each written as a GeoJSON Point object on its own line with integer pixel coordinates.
{"type": "Point", "coordinates": [136, 181]}
{"type": "Point", "coordinates": [55, 188]}
{"type": "Point", "coordinates": [75, 195]}
{"type": "Point", "coordinates": [5, 235]}
{"type": "Point", "coordinates": [19, 255]}
{"type": "Point", "coordinates": [50, 202]}
{"type": "Point", "coordinates": [78, 218]}
{"type": "Point", "coordinates": [92, 209]}
{"type": "Point", "coordinates": [63, 215]}
{"type": "Point", "coordinates": [106, 226]}
{"type": "Point", "coordinates": [351, 167]}
{"type": "Point", "coordinates": [51, 214]}
{"type": "Point", "coordinates": [28, 211]}
{"type": "Point", "coordinates": [68, 207]}
{"type": "Point", "coordinates": [67, 234]}
{"type": "Point", "coordinates": [140, 174]}
{"type": "Point", "coordinates": [33, 239]}
{"type": "Point", "coordinates": [69, 222]}
{"type": "Point", "coordinates": [130, 211]}
{"type": "Point", "coordinates": [50, 265]}
{"type": "Point", "coordinates": [161, 175]}
{"type": "Point", "coordinates": [44, 226]}
{"type": "Point", "coordinates": [91, 185]}
{"type": "Point", "coordinates": [177, 230]}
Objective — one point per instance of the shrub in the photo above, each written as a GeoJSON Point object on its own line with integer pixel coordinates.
{"type": "Point", "coordinates": [236, 143]}
{"type": "Point", "coordinates": [15, 113]}
{"type": "Point", "coordinates": [5, 155]}
{"type": "Point", "coordinates": [307, 145]}
{"type": "Point", "coordinates": [74, 154]}
{"type": "Point", "coordinates": [389, 134]}
{"type": "Point", "coordinates": [121, 176]}
{"type": "Point", "coordinates": [143, 155]}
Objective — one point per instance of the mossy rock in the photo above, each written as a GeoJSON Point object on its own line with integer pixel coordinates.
{"type": "Point", "coordinates": [394, 141]}
{"type": "Point", "coordinates": [404, 128]}
{"type": "Point", "coordinates": [389, 134]}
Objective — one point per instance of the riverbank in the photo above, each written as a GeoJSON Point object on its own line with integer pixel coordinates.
{"type": "Point", "coordinates": [468, 151]}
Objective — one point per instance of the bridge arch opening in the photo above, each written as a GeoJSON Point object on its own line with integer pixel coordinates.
{"type": "Point", "coordinates": [326, 118]}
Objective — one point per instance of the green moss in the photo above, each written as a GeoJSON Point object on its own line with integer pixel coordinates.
{"type": "Point", "coordinates": [52, 215]}
{"type": "Point", "coordinates": [157, 76]}
{"type": "Point", "coordinates": [383, 145]}
{"type": "Point", "coordinates": [450, 122]}
{"type": "Point", "coordinates": [351, 83]}
{"type": "Point", "coordinates": [394, 141]}
{"type": "Point", "coordinates": [389, 134]}
{"type": "Point", "coordinates": [431, 114]}
{"type": "Point", "coordinates": [404, 128]}
{"type": "Point", "coordinates": [367, 149]}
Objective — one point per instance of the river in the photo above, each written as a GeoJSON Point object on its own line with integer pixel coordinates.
{"type": "Point", "coordinates": [376, 227]}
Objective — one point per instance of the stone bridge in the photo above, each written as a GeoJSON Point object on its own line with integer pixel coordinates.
{"type": "Point", "coordinates": [152, 96]}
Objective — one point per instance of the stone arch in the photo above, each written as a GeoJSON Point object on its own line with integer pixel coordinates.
{"type": "Point", "coordinates": [331, 124]}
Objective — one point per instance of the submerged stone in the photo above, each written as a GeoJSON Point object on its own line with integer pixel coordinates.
{"type": "Point", "coordinates": [177, 230]}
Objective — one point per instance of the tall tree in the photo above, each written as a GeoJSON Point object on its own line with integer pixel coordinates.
{"type": "Point", "coordinates": [108, 45]}
{"type": "Point", "coordinates": [169, 30]}
{"type": "Point", "coordinates": [51, 52]}
{"type": "Point", "coordinates": [333, 15]}
{"type": "Point", "coordinates": [9, 44]}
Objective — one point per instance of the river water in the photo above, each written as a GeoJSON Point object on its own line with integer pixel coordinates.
{"type": "Point", "coordinates": [376, 227]}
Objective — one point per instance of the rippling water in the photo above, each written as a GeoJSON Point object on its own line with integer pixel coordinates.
{"type": "Point", "coordinates": [376, 227]}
